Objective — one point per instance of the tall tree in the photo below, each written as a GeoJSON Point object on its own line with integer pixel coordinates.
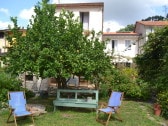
{"type": "Point", "coordinates": [128, 28]}
{"type": "Point", "coordinates": [154, 18]}
{"type": "Point", "coordinates": [153, 63]}
{"type": "Point", "coordinates": [55, 46]}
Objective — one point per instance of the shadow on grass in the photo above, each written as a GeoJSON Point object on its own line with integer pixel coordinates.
{"type": "Point", "coordinates": [48, 103]}
{"type": "Point", "coordinates": [75, 109]}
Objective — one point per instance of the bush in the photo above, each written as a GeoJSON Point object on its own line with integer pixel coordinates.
{"type": "Point", "coordinates": [104, 91]}
{"type": "Point", "coordinates": [135, 91]}
{"type": "Point", "coordinates": [10, 83]}
{"type": "Point", "coordinates": [111, 80]}
{"type": "Point", "coordinates": [7, 83]}
{"type": "Point", "coordinates": [130, 73]}
{"type": "Point", "coordinates": [130, 90]}
{"type": "Point", "coordinates": [29, 94]}
{"type": "Point", "coordinates": [162, 99]}
{"type": "Point", "coordinates": [125, 80]}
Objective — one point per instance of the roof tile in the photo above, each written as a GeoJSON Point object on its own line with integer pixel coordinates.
{"type": "Point", "coordinates": [153, 23]}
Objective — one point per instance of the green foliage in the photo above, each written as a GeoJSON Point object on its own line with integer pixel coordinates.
{"type": "Point", "coordinates": [55, 46]}
{"type": "Point", "coordinates": [14, 50]}
{"type": "Point", "coordinates": [10, 83]}
{"type": "Point", "coordinates": [130, 73]}
{"type": "Point", "coordinates": [152, 64]}
{"type": "Point", "coordinates": [162, 99]}
{"type": "Point", "coordinates": [135, 88]}
{"type": "Point", "coordinates": [135, 91]}
{"type": "Point", "coordinates": [154, 18]}
{"type": "Point", "coordinates": [125, 80]}
{"type": "Point", "coordinates": [7, 83]}
{"type": "Point", "coordinates": [131, 90]}
{"type": "Point", "coordinates": [29, 93]}
{"type": "Point", "coordinates": [128, 28]}
{"type": "Point", "coordinates": [110, 80]}
{"type": "Point", "coordinates": [103, 92]}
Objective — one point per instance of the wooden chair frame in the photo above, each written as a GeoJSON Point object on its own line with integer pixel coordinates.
{"type": "Point", "coordinates": [110, 109]}
{"type": "Point", "coordinates": [14, 107]}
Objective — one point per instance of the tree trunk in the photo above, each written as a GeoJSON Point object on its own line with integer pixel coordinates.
{"type": "Point", "coordinates": [61, 82]}
{"type": "Point", "coordinates": [64, 83]}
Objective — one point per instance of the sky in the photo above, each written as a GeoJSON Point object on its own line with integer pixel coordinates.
{"type": "Point", "coordinates": [117, 13]}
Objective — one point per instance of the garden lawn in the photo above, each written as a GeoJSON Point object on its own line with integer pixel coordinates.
{"type": "Point", "coordinates": [133, 113]}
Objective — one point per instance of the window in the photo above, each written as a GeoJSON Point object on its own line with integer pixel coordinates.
{"type": "Point", "coordinates": [84, 18]}
{"type": "Point", "coordinates": [114, 44]}
{"type": "Point", "coordinates": [127, 64]}
{"type": "Point", "coordinates": [128, 44]}
{"type": "Point", "coordinates": [1, 34]}
{"type": "Point", "coordinates": [29, 77]}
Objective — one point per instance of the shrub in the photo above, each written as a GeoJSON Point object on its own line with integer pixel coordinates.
{"type": "Point", "coordinates": [145, 89]}
{"type": "Point", "coordinates": [130, 90]}
{"type": "Point", "coordinates": [125, 80]}
{"type": "Point", "coordinates": [162, 99]}
{"type": "Point", "coordinates": [111, 80]}
{"type": "Point", "coordinates": [10, 83]}
{"type": "Point", "coordinates": [130, 73]}
{"type": "Point", "coordinates": [104, 91]}
{"type": "Point", "coordinates": [135, 91]}
{"type": "Point", "coordinates": [29, 94]}
{"type": "Point", "coordinates": [7, 83]}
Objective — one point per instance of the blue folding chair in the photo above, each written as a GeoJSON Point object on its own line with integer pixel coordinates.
{"type": "Point", "coordinates": [113, 106]}
{"type": "Point", "coordinates": [17, 105]}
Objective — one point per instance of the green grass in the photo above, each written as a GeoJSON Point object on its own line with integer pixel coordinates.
{"type": "Point", "coordinates": [133, 114]}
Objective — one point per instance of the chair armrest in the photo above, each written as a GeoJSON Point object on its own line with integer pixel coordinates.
{"type": "Point", "coordinates": [103, 105]}
{"type": "Point", "coordinates": [12, 109]}
{"type": "Point", "coordinates": [116, 108]}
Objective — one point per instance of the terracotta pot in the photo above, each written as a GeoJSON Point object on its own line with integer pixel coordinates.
{"type": "Point", "coordinates": [157, 112]}
{"type": "Point", "coordinates": [157, 109]}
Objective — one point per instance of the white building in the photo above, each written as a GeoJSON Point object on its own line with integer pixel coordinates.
{"type": "Point", "coordinates": [124, 46]}
{"type": "Point", "coordinates": [2, 41]}
{"type": "Point", "coordinates": [89, 14]}
{"type": "Point", "coordinates": [143, 28]}
{"type": "Point", "coordinates": [121, 45]}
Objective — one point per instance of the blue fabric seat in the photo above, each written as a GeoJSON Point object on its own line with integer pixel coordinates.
{"type": "Point", "coordinates": [17, 105]}
{"type": "Point", "coordinates": [113, 106]}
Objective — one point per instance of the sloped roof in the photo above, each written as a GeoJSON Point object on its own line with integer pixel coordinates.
{"type": "Point", "coordinates": [120, 34]}
{"type": "Point", "coordinates": [80, 5]}
{"type": "Point", "coordinates": [152, 23]}
{"type": "Point", "coordinates": [9, 30]}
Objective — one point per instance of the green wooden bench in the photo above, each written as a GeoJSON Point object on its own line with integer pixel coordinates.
{"type": "Point", "coordinates": [76, 98]}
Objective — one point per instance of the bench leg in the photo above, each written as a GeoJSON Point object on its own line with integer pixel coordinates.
{"type": "Point", "coordinates": [54, 108]}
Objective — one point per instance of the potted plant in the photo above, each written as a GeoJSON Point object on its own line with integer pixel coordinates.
{"type": "Point", "coordinates": [157, 109]}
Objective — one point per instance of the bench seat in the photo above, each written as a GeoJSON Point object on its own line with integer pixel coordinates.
{"type": "Point", "coordinates": [76, 102]}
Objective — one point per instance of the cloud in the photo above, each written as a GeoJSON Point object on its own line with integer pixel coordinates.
{"type": "Point", "coordinates": [4, 25]}
{"type": "Point", "coordinates": [130, 11]}
{"type": "Point", "coordinates": [3, 10]}
{"type": "Point", "coordinates": [27, 13]}
{"type": "Point", "coordinates": [126, 12]}
{"type": "Point", "coordinates": [158, 2]}
{"type": "Point", "coordinates": [111, 26]}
